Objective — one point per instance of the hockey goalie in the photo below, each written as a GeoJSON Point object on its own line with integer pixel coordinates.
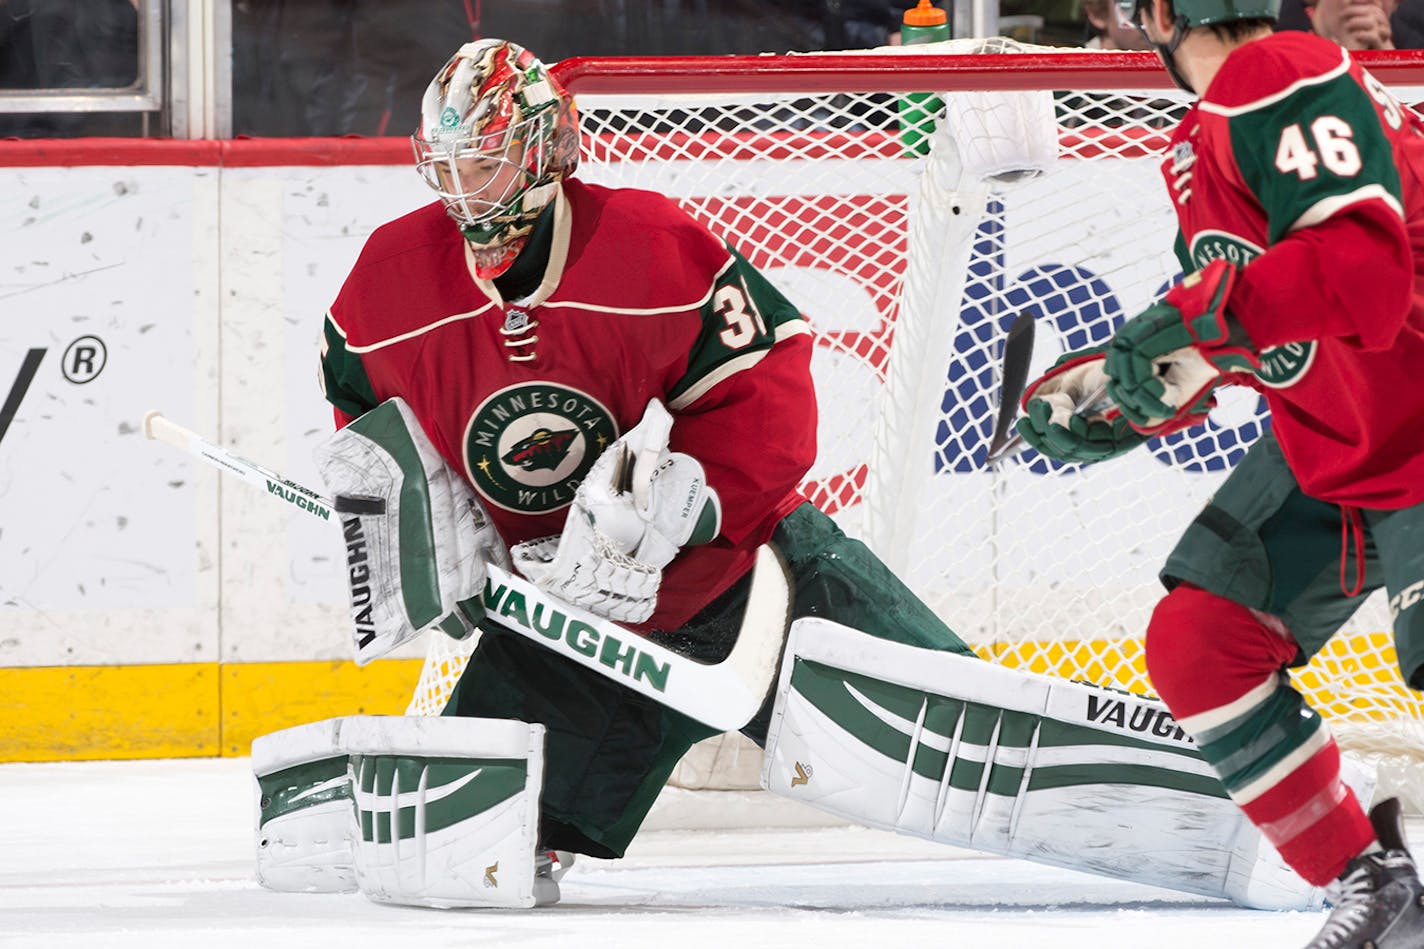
{"type": "Point", "coordinates": [583, 389]}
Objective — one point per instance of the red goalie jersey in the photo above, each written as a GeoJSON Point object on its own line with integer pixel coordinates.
{"type": "Point", "coordinates": [523, 397]}
{"type": "Point", "coordinates": [1301, 166]}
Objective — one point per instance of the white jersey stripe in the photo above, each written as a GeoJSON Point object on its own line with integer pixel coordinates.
{"type": "Point", "coordinates": [1326, 208]}
{"type": "Point", "coordinates": [733, 366]}
{"type": "Point", "coordinates": [1231, 111]}
{"type": "Point", "coordinates": [418, 331]}
{"type": "Point", "coordinates": [650, 311]}
{"type": "Point", "coordinates": [1213, 718]}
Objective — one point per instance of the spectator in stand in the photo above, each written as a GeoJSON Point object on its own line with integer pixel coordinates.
{"type": "Point", "coordinates": [336, 67]}
{"type": "Point", "coordinates": [1106, 30]}
{"type": "Point", "coordinates": [1359, 24]}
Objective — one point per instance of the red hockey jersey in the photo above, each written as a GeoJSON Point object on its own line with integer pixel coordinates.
{"type": "Point", "coordinates": [1301, 166]}
{"type": "Point", "coordinates": [638, 302]}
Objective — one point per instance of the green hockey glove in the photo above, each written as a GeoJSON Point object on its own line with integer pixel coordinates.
{"type": "Point", "coordinates": [1164, 362]}
{"type": "Point", "coordinates": [1056, 425]}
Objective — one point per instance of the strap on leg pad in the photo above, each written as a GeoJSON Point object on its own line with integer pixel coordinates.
{"type": "Point", "coordinates": [966, 752]}
{"type": "Point", "coordinates": [439, 812]}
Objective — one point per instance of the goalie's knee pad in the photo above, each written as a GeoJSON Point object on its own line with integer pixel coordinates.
{"type": "Point", "coordinates": [437, 812]}
{"type": "Point", "coordinates": [967, 752]}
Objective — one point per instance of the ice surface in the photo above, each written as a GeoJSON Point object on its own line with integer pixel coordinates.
{"type": "Point", "coordinates": [152, 854]}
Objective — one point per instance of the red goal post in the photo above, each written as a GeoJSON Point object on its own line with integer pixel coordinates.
{"type": "Point", "coordinates": [809, 166]}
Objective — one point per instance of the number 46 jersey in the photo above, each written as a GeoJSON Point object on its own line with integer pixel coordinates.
{"type": "Point", "coordinates": [1300, 166]}
{"type": "Point", "coordinates": [638, 301]}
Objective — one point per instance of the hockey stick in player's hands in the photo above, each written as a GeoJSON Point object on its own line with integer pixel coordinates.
{"type": "Point", "coordinates": [1018, 353]}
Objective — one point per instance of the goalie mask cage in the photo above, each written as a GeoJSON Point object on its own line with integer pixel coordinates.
{"type": "Point", "coordinates": [910, 276]}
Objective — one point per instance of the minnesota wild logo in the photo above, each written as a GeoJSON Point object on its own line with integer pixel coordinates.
{"type": "Point", "coordinates": [529, 446]}
{"type": "Point", "coordinates": [542, 450]}
{"type": "Point", "coordinates": [1281, 366]}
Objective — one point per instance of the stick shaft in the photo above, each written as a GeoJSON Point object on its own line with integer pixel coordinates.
{"type": "Point", "coordinates": [160, 428]}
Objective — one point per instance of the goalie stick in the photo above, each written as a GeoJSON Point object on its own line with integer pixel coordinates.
{"type": "Point", "coordinates": [724, 695]}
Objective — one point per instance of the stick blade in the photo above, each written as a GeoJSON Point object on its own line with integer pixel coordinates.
{"type": "Point", "coordinates": [1018, 353]}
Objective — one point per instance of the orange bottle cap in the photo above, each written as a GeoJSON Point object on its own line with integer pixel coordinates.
{"type": "Point", "coordinates": [926, 14]}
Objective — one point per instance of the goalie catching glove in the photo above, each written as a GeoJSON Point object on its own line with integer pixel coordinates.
{"type": "Point", "coordinates": [639, 506]}
{"type": "Point", "coordinates": [1062, 420]}
{"type": "Point", "coordinates": [417, 537]}
{"type": "Point", "coordinates": [1164, 362]}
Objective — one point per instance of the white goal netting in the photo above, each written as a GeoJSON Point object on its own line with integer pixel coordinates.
{"type": "Point", "coordinates": [910, 280]}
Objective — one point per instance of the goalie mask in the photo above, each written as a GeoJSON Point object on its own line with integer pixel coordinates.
{"type": "Point", "coordinates": [497, 134]}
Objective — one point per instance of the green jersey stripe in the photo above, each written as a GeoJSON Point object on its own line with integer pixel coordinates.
{"type": "Point", "coordinates": [742, 319]}
{"type": "Point", "coordinates": [343, 376]}
{"type": "Point", "coordinates": [1324, 144]}
{"type": "Point", "coordinates": [1327, 207]}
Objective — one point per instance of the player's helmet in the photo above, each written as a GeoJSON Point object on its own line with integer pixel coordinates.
{"type": "Point", "coordinates": [497, 132]}
{"type": "Point", "coordinates": [1207, 12]}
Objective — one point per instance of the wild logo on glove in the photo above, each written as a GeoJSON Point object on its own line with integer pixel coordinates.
{"type": "Point", "coordinates": [529, 446]}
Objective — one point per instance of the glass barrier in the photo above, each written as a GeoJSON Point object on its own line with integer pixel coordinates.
{"type": "Point", "coordinates": [346, 67]}
{"type": "Point", "coordinates": [219, 68]}
{"type": "Point", "coordinates": [80, 67]}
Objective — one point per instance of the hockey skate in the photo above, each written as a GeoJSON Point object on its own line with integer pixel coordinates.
{"type": "Point", "coordinates": [1378, 902]}
{"type": "Point", "coordinates": [549, 868]}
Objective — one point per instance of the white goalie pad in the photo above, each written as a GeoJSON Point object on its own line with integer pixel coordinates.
{"type": "Point", "coordinates": [440, 812]}
{"type": "Point", "coordinates": [958, 750]}
{"type": "Point", "coordinates": [304, 813]}
{"type": "Point", "coordinates": [447, 809]}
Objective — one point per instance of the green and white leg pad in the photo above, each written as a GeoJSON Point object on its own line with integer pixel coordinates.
{"type": "Point", "coordinates": [304, 811]}
{"type": "Point", "coordinates": [958, 750]}
{"type": "Point", "coordinates": [437, 812]}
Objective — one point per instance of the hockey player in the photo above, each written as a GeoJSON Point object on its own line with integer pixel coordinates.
{"type": "Point", "coordinates": [590, 377]}
{"type": "Point", "coordinates": [1296, 181]}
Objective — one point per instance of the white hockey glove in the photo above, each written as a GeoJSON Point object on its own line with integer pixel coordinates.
{"type": "Point", "coordinates": [417, 537]}
{"type": "Point", "coordinates": [639, 506]}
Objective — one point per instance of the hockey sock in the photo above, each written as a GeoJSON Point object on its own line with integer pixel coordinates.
{"type": "Point", "coordinates": [1219, 667]}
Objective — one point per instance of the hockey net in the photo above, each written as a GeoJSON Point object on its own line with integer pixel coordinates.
{"type": "Point", "coordinates": [809, 166]}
